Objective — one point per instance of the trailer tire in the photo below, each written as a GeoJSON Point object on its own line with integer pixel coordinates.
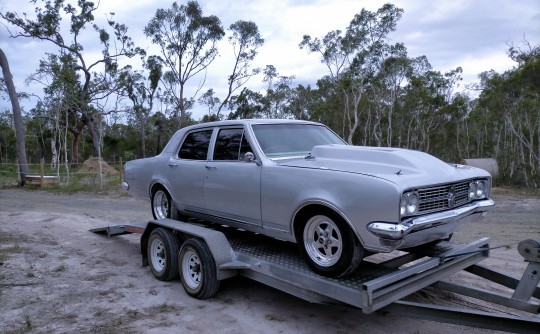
{"type": "Point", "coordinates": [197, 268]}
{"type": "Point", "coordinates": [328, 245]}
{"type": "Point", "coordinates": [163, 254]}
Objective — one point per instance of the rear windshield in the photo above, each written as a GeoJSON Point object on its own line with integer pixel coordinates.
{"type": "Point", "coordinates": [288, 140]}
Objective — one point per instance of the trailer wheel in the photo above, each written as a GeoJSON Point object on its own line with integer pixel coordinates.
{"type": "Point", "coordinates": [163, 254]}
{"type": "Point", "coordinates": [162, 205]}
{"type": "Point", "coordinates": [329, 246]}
{"type": "Point", "coordinates": [198, 269]}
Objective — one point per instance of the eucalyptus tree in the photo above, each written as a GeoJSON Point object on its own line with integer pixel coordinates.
{"type": "Point", "coordinates": [278, 93]}
{"type": "Point", "coordinates": [142, 91]}
{"type": "Point", "coordinates": [57, 109]}
{"type": "Point", "coordinates": [303, 102]}
{"type": "Point", "coordinates": [329, 106]}
{"type": "Point", "coordinates": [212, 103]}
{"type": "Point", "coordinates": [188, 44]}
{"type": "Point", "coordinates": [245, 40]}
{"type": "Point", "coordinates": [8, 142]}
{"type": "Point", "coordinates": [247, 104]}
{"type": "Point", "coordinates": [507, 112]}
{"type": "Point", "coordinates": [355, 56]}
{"type": "Point", "coordinates": [395, 69]}
{"type": "Point", "coordinates": [17, 117]}
{"type": "Point", "coordinates": [47, 26]}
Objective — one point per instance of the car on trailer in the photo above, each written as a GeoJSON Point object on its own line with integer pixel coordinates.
{"type": "Point", "coordinates": [300, 182]}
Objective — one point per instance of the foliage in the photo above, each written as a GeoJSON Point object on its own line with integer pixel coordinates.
{"type": "Point", "coordinates": [245, 40]}
{"type": "Point", "coordinates": [354, 57]}
{"type": "Point", "coordinates": [505, 121]}
{"type": "Point", "coordinates": [187, 41]}
{"type": "Point", "coordinates": [373, 93]}
{"type": "Point", "coordinates": [47, 26]}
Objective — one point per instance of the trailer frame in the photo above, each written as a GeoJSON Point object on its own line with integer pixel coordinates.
{"type": "Point", "coordinates": [380, 286]}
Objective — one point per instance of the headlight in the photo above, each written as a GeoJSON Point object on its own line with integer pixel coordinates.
{"type": "Point", "coordinates": [409, 204]}
{"type": "Point", "coordinates": [477, 189]}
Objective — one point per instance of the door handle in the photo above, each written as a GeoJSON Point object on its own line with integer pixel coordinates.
{"type": "Point", "coordinates": [210, 167]}
{"type": "Point", "coordinates": [172, 165]}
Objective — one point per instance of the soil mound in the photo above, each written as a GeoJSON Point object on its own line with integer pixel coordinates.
{"type": "Point", "coordinates": [92, 166]}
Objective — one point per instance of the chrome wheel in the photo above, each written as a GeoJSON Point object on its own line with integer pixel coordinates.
{"type": "Point", "coordinates": [323, 241]}
{"type": "Point", "coordinates": [161, 204]}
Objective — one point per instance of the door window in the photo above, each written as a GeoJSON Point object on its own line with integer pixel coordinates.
{"type": "Point", "coordinates": [231, 145]}
{"type": "Point", "coordinates": [195, 146]}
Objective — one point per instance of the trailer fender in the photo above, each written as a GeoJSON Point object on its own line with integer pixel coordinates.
{"type": "Point", "coordinates": [224, 256]}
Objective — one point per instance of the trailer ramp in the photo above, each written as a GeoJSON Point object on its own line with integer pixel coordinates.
{"type": "Point", "coordinates": [115, 230]}
{"type": "Point", "coordinates": [517, 312]}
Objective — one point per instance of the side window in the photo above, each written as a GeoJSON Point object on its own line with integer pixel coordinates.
{"type": "Point", "coordinates": [195, 146]}
{"type": "Point", "coordinates": [231, 145]}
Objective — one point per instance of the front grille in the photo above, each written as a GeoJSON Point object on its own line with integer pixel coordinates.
{"type": "Point", "coordinates": [443, 197]}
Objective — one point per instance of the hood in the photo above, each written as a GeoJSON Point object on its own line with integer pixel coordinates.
{"type": "Point", "coordinates": [406, 168]}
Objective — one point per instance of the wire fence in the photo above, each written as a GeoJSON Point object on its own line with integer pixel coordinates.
{"type": "Point", "coordinates": [93, 175]}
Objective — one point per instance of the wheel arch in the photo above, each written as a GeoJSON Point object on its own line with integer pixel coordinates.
{"type": "Point", "coordinates": [317, 207]}
{"type": "Point", "coordinates": [156, 184]}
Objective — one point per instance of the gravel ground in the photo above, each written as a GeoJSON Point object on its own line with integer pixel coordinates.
{"type": "Point", "coordinates": [56, 277]}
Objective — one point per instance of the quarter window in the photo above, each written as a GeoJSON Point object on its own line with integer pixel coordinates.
{"type": "Point", "coordinates": [195, 146]}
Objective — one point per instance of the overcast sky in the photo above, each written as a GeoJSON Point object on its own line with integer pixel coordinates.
{"type": "Point", "coordinates": [473, 34]}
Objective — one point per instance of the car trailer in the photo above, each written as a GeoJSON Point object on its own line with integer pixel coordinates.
{"type": "Point", "coordinates": [203, 254]}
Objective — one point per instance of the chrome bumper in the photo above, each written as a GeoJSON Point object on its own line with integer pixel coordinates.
{"type": "Point", "coordinates": [399, 231]}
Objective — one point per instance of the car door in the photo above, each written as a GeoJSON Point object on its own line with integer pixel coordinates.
{"type": "Point", "coordinates": [186, 170]}
{"type": "Point", "coordinates": [232, 183]}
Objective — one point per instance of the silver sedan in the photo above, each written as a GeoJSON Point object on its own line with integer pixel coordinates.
{"type": "Point", "coordinates": [300, 182]}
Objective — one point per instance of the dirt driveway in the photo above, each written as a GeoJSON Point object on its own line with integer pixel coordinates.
{"type": "Point", "coordinates": [56, 277]}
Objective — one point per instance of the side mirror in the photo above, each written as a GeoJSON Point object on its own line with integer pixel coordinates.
{"type": "Point", "coordinates": [249, 157]}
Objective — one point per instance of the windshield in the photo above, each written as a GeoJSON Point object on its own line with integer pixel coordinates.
{"type": "Point", "coordinates": [288, 140]}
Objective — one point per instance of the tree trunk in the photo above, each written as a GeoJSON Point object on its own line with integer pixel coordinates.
{"type": "Point", "coordinates": [17, 117]}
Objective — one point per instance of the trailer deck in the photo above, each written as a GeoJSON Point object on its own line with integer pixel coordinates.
{"type": "Point", "coordinates": [380, 284]}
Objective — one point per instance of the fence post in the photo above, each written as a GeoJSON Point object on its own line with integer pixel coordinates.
{"type": "Point", "coordinates": [121, 170]}
{"type": "Point", "coordinates": [41, 172]}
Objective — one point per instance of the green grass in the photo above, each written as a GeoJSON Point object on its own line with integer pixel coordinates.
{"type": "Point", "coordinates": [28, 321]}
{"type": "Point", "coordinates": [60, 268]}
{"type": "Point", "coordinates": [75, 182]}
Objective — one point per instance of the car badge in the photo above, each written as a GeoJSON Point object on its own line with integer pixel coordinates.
{"type": "Point", "coordinates": [451, 197]}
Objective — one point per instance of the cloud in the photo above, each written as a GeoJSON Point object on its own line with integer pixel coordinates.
{"type": "Point", "coordinates": [451, 33]}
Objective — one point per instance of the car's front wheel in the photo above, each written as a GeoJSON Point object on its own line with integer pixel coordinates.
{"type": "Point", "coordinates": [162, 205]}
{"type": "Point", "coordinates": [328, 245]}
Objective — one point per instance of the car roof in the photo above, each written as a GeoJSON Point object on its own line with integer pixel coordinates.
{"type": "Point", "coordinates": [251, 122]}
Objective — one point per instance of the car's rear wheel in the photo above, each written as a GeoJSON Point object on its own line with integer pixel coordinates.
{"type": "Point", "coordinates": [328, 245]}
{"type": "Point", "coordinates": [162, 205]}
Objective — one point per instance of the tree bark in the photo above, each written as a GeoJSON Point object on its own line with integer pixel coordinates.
{"type": "Point", "coordinates": [17, 118]}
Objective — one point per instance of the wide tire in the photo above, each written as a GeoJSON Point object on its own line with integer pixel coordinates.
{"type": "Point", "coordinates": [198, 271]}
{"type": "Point", "coordinates": [163, 248]}
{"type": "Point", "coordinates": [328, 245]}
{"type": "Point", "coordinates": [163, 206]}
